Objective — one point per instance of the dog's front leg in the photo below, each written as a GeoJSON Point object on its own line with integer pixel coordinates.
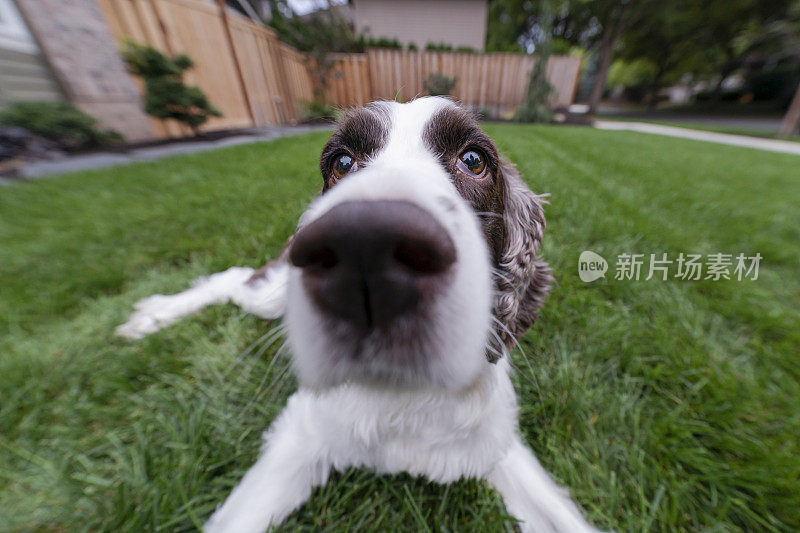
{"type": "Point", "coordinates": [532, 497]}
{"type": "Point", "coordinates": [292, 462]}
{"type": "Point", "coordinates": [260, 292]}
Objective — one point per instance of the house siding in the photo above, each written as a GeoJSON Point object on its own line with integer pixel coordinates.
{"type": "Point", "coordinates": [83, 56]}
{"type": "Point", "coordinates": [453, 22]}
{"type": "Point", "coordinates": [25, 76]}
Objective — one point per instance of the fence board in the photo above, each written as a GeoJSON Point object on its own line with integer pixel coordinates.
{"type": "Point", "coordinates": [199, 32]}
{"type": "Point", "coordinates": [300, 86]}
{"type": "Point", "coordinates": [349, 81]}
{"type": "Point", "coordinates": [259, 71]}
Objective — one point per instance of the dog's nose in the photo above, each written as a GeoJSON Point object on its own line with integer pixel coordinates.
{"type": "Point", "coordinates": [369, 262]}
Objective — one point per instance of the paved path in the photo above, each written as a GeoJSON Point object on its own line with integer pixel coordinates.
{"type": "Point", "coordinates": [772, 145]}
{"type": "Point", "coordinates": [97, 160]}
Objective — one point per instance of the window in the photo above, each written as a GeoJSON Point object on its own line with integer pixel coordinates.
{"type": "Point", "coordinates": [14, 34]}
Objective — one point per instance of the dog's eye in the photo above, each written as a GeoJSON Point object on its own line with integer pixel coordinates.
{"type": "Point", "coordinates": [472, 162]}
{"type": "Point", "coordinates": [343, 166]}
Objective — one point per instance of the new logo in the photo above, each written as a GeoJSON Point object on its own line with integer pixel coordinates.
{"type": "Point", "coordinates": [591, 266]}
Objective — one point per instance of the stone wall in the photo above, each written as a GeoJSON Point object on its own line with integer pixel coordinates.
{"type": "Point", "coordinates": [82, 53]}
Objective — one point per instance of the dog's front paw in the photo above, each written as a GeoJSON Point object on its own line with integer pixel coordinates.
{"type": "Point", "coordinates": [152, 314]}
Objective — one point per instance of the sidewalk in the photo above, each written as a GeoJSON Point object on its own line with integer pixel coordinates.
{"type": "Point", "coordinates": [97, 160]}
{"type": "Point", "coordinates": [772, 145]}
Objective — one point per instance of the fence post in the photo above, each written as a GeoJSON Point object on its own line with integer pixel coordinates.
{"type": "Point", "coordinates": [227, 27]}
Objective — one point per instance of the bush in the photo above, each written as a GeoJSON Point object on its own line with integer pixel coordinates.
{"type": "Point", "coordinates": [412, 47]}
{"type": "Point", "coordinates": [632, 74]}
{"type": "Point", "coordinates": [57, 121]}
{"type": "Point", "coordinates": [466, 50]}
{"type": "Point", "coordinates": [439, 47]}
{"type": "Point", "coordinates": [166, 96]}
{"type": "Point", "coordinates": [382, 42]}
{"type": "Point", "coordinates": [560, 46]}
{"type": "Point", "coordinates": [320, 111]}
{"type": "Point", "coordinates": [536, 107]}
{"type": "Point", "coordinates": [437, 84]}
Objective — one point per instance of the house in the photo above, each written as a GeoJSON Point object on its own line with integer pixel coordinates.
{"type": "Point", "coordinates": [458, 23]}
{"type": "Point", "coordinates": [24, 74]}
{"type": "Point", "coordinates": [54, 50]}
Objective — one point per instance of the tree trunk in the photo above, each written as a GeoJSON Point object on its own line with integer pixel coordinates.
{"type": "Point", "coordinates": [791, 121]}
{"type": "Point", "coordinates": [606, 53]}
{"type": "Point", "coordinates": [726, 71]}
{"type": "Point", "coordinates": [652, 92]}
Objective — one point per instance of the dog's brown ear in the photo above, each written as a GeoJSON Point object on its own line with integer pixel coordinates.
{"type": "Point", "coordinates": [523, 279]}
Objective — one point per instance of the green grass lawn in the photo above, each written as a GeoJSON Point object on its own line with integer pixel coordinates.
{"type": "Point", "coordinates": [662, 405]}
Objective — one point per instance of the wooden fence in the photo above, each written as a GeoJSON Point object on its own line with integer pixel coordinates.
{"type": "Point", "coordinates": [256, 80]}
{"type": "Point", "coordinates": [496, 81]}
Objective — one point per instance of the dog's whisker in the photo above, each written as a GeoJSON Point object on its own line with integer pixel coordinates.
{"type": "Point", "coordinates": [502, 275]}
{"type": "Point", "coordinates": [267, 372]}
{"type": "Point", "coordinates": [256, 343]}
{"type": "Point", "coordinates": [507, 331]}
{"type": "Point", "coordinates": [244, 355]}
{"type": "Point", "coordinates": [249, 357]}
{"type": "Point", "coordinates": [258, 348]}
{"type": "Point", "coordinates": [511, 336]}
{"type": "Point", "coordinates": [489, 214]}
{"type": "Point", "coordinates": [531, 375]}
{"type": "Point", "coordinates": [497, 352]}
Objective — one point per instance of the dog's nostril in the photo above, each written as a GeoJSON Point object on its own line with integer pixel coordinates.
{"type": "Point", "coordinates": [312, 252]}
{"type": "Point", "coordinates": [425, 257]}
{"type": "Point", "coordinates": [322, 257]}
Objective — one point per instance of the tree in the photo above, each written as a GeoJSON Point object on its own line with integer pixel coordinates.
{"type": "Point", "coordinates": [666, 40]}
{"type": "Point", "coordinates": [510, 25]}
{"type": "Point", "coordinates": [613, 18]}
{"type": "Point", "coordinates": [166, 96]}
{"type": "Point", "coordinates": [593, 24]}
{"type": "Point", "coordinates": [708, 38]}
{"type": "Point", "coordinates": [735, 29]}
{"type": "Point", "coordinates": [525, 26]}
{"type": "Point", "coordinates": [518, 25]}
{"type": "Point", "coordinates": [791, 122]}
{"type": "Point", "coordinates": [318, 34]}
{"type": "Point", "coordinates": [791, 30]}
{"type": "Point", "coordinates": [536, 107]}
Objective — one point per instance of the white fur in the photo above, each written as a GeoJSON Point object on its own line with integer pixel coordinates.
{"type": "Point", "coordinates": [457, 419]}
{"type": "Point", "coordinates": [440, 434]}
{"type": "Point", "coordinates": [264, 297]}
{"type": "Point", "coordinates": [463, 311]}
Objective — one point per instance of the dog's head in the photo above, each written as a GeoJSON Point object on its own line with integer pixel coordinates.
{"type": "Point", "coordinates": [418, 262]}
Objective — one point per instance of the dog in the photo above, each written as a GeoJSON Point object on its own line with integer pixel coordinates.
{"type": "Point", "coordinates": [404, 287]}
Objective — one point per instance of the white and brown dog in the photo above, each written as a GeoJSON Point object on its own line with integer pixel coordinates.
{"type": "Point", "coordinates": [406, 282]}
